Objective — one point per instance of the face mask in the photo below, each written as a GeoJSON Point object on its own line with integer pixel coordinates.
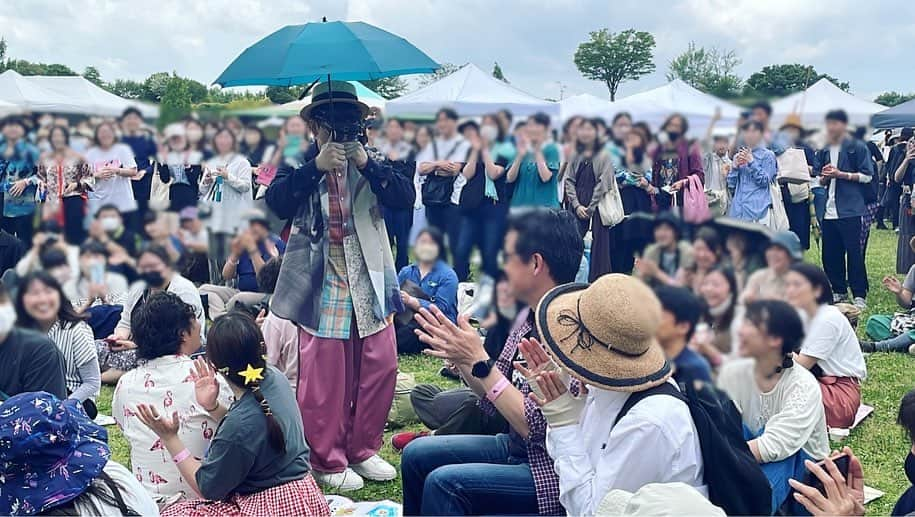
{"type": "Point", "coordinates": [409, 135]}
{"type": "Point", "coordinates": [489, 133]}
{"type": "Point", "coordinates": [153, 278]}
{"type": "Point", "coordinates": [110, 224]}
{"type": "Point", "coordinates": [7, 318]}
{"type": "Point", "coordinates": [909, 466]}
{"type": "Point", "coordinates": [61, 274]}
{"type": "Point", "coordinates": [194, 135]}
{"type": "Point", "coordinates": [673, 135]}
{"type": "Point", "coordinates": [426, 252]}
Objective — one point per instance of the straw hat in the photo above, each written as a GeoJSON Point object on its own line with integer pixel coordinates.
{"type": "Point", "coordinates": [793, 120]}
{"type": "Point", "coordinates": [604, 334]}
{"type": "Point", "coordinates": [341, 92]}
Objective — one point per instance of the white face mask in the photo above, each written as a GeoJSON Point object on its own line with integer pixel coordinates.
{"type": "Point", "coordinates": [110, 224]}
{"type": "Point", "coordinates": [489, 133]}
{"type": "Point", "coordinates": [426, 252]}
{"type": "Point", "coordinates": [7, 318]}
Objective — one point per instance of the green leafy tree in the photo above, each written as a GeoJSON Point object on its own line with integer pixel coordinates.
{"type": "Point", "coordinates": [126, 88]}
{"type": "Point", "coordinates": [893, 98]}
{"type": "Point", "coordinates": [615, 58]}
{"type": "Point", "coordinates": [154, 86]}
{"type": "Point", "coordinates": [781, 80]}
{"type": "Point", "coordinates": [176, 102]}
{"type": "Point", "coordinates": [446, 70]}
{"type": "Point", "coordinates": [708, 70]}
{"type": "Point", "coordinates": [281, 94]}
{"type": "Point", "coordinates": [387, 87]}
{"type": "Point", "coordinates": [197, 90]}
{"type": "Point", "coordinates": [2, 55]}
{"type": "Point", "coordinates": [92, 75]}
{"type": "Point", "coordinates": [497, 72]}
{"type": "Point", "coordinates": [29, 68]}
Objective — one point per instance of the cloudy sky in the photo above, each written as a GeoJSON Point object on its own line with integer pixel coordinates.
{"type": "Point", "coordinates": [867, 44]}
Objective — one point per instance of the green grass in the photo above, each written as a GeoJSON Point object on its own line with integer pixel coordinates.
{"type": "Point", "coordinates": [879, 442]}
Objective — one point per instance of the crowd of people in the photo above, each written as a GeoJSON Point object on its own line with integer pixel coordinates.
{"type": "Point", "coordinates": [591, 288]}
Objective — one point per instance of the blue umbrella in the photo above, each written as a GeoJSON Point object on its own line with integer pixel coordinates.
{"type": "Point", "coordinates": [303, 54]}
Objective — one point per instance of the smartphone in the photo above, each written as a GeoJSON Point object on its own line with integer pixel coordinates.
{"type": "Point", "coordinates": [843, 461]}
{"type": "Point", "coordinates": [97, 273]}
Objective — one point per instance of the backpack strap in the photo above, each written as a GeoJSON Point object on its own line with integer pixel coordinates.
{"type": "Point", "coordinates": [635, 398]}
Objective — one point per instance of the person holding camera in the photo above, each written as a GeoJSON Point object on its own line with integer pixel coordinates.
{"type": "Point", "coordinates": [339, 285]}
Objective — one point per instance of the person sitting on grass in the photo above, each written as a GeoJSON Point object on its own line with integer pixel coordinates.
{"type": "Point", "coordinates": [895, 333]}
{"type": "Point", "coordinates": [94, 284]}
{"type": "Point", "coordinates": [167, 334]}
{"type": "Point", "coordinates": [681, 310]}
{"type": "Point", "coordinates": [906, 419]}
{"type": "Point", "coordinates": [781, 405]}
{"type": "Point", "coordinates": [257, 462]}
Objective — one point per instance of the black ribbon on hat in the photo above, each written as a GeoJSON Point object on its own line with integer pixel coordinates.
{"type": "Point", "coordinates": [586, 340]}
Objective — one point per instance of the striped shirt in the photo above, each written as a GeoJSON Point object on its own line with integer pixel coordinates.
{"type": "Point", "coordinates": [77, 344]}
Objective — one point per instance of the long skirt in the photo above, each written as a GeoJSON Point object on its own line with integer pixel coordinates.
{"type": "Point", "coordinates": [841, 398]}
{"type": "Point", "coordinates": [905, 257]}
{"type": "Point", "coordinates": [300, 497]}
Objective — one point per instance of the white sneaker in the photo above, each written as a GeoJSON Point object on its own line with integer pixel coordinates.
{"type": "Point", "coordinates": [860, 303]}
{"type": "Point", "coordinates": [376, 469]}
{"type": "Point", "coordinates": [346, 481]}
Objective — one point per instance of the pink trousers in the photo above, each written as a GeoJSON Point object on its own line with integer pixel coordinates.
{"type": "Point", "coordinates": [345, 392]}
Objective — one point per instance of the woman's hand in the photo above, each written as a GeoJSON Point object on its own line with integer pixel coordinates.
{"type": "Point", "coordinates": [892, 284]}
{"type": "Point", "coordinates": [843, 496]}
{"type": "Point", "coordinates": [551, 386]}
{"type": "Point", "coordinates": [582, 212]}
{"type": "Point", "coordinates": [164, 428]}
{"type": "Point", "coordinates": [18, 188]}
{"type": "Point", "coordinates": [206, 388]}
{"type": "Point", "coordinates": [409, 301]}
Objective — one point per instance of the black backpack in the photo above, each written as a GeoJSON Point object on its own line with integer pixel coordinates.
{"type": "Point", "coordinates": [736, 483]}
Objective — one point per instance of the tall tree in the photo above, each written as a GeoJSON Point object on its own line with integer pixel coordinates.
{"type": "Point", "coordinates": [615, 58]}
{"type": "Point", "coordinates": [2, 54]}
{"type": "Point", "coordinates": [126, 88]}
{"type": "Point", "coordinates": [92, 75]}
{"type": "Point", "coordinates": [893, 98]}
{"type": "Point", "coordinates": [154, 86]}
{"type": "Point", "coordinates": [781, 80]}
{"type": "Point", "coordinates": [497, 72]}
{"type": "Point", "coordinates": [176, 101]}
{"type": "Point", "coordinates": [446, 70]}
{"type": "Point", "coordinates": [280, 94]}
{"type": "Point", "coordinates": [387, 87]}
{"type": "Point", "coordinates": [708, 70]}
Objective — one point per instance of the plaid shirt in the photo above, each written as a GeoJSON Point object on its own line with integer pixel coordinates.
{"type": "Point", "coordinates": [546, 482]}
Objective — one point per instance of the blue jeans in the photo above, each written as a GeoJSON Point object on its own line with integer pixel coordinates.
{"type": "Point", "coordinates": [484, 228]}
{"type": "Point", "coordinates": [779, 472]}
{"type": "Point", "coordinates": [900, 343]}
{"type": "Point", "coordinates": [819, 203]}
{"type": "Point", "coordinates": [466, 475]}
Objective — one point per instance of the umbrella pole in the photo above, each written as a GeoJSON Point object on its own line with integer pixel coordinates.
{"type": "Point", "coordinates": [330, 91]}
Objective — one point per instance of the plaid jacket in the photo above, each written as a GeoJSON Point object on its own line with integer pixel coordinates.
{"type": "Point", "coordinates": [301, 194]}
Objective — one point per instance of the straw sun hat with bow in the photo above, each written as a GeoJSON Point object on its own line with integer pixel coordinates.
{"type": "Point", "coordinates": [604, 334]}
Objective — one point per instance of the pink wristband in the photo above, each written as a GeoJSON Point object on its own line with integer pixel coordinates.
{"type": "Point", "coordinates": [181, 456]}
{"type": "Point", "coordinates": [496, 391]}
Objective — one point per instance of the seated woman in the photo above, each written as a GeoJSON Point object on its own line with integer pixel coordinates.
{"type": "Point", "coordinates": [257, 462]}
{"type": "Point", "coordinates": [437, 281]}
{"type": "Point", "coordinates": [167, 333]}
{"type": "Point", "coordinates": [61, 460]}
{"type": "Point", "coordinates": [42, 306]}
{"type": "Point", "coordinates": [713, 337]}
{"type": "Point", "coordinates": [769, 283]}
{"type": "Point", "coordinates": [742, 257]}
{"type": "Point", "coordinates": [94, 284]}
{"type": "Point", "coordinates": [780, 404]}
{"type": "Point", "coordinates": [895, 333]}
{"type": "Point", "coordinates": [708, 253]}
{"type": "Point", "coordinates": [830, 350]}
{"type": "Point", "coordinates": [117, 354]}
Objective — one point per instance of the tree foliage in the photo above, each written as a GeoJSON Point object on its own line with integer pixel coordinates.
{"type": "Point", "coordinates": [497, 72]}
{"type": "Point", "coordinates": [893, 98]}
{"type": "Point", "coordinates": [387, 87]}
{"type": "Point", "coordinates": [615, 58]}
{"type": "Point", "coordinates": [446, 70]}
{"type": "Point", "coordinates": [781, 80]}
{"type": "Point", "coordinates": [175, 101]}
{"type": "Point", "coordinates": [92, 75]}
{"type": "Point", "coordinates": [708, 70]}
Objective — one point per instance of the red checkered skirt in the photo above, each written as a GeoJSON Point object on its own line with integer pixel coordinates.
{"type": "Point", "coordinates": [293, 499]}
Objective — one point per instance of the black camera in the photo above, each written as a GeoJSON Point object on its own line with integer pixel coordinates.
{"type": "Point", "coordinates": [349, 131]}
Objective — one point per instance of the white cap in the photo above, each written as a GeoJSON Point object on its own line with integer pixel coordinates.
{"type": "Point", "coordinates": [669, 499]}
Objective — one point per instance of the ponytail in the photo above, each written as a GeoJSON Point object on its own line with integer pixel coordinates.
{"type": "Point", "coordinates": [787, 362]}
{"type": "Point", "coordinates": [274, 431]}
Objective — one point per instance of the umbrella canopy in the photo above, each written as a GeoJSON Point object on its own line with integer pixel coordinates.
{"type": "Point", "coordinates": [654, 106]}
{"type": "Point", "coordinates": [471, 92]}
{"type": "Point", "coordinates": [30, 96]}
{"type": "Point", "coordinates": [585, 105]}
{"type": "Point", "coordinates": [813, 103]}
{"type": "Point", "coordinates": [91, 97]}
{"type": "Point", "coordinates": [902, 115]}
{"type": "Point", "coordinates": [347, 51]}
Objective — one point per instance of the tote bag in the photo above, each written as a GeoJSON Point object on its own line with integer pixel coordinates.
{"type": "Point", "coordinates": [779, 218]}
{"type": "Point", "coordinates": [792, 167]}
{"type": "Point", "coordinates": [159, 191]}
{"type": "Point", "coordinates": [610, 206]}
{"type": "Point", "coordinates": [695, 204]}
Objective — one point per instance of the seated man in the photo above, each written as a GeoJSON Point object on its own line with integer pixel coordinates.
{"type": "Point", "coordinates": [662, 260]}
{"type": "Point", "coordinates": [250, 250]}
{"type": "Point", "coordinates": [681, 311]}
{"type": "Point", "coordinates": [507, 473]}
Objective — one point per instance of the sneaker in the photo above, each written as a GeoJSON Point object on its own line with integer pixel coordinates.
{"type": "Point", "coordinates": [346, 481]}
{"type": "Point", "coordinates": [400, 440]}
{"type": "Point", "coordinates": [860, 303]}
{"type": "Point", "coordinates": [867, 347]}
{"type": "Point", "coordinates": [376, 469]}
{"type": "Point", "coordinates": [895, 230]}
{"type": "Point", "coordinates": [912, 350]}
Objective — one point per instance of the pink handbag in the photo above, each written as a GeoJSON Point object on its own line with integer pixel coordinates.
{"type": "Point", "coordinates": [695, 204]}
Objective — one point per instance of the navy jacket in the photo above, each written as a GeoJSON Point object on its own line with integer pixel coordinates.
{"type": "Point", "coordinates": [851, 196]}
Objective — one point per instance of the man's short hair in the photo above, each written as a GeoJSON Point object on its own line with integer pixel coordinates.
{"type": "Point", "coordinates": [93, 247]}
{"type": "Point", "coordinates": [469, 124]}
{"type": "Point", "coordinates": [754, 124]}
{"type": "Point", "coordinates": [762, 105]}
{"type": "Point", "coordinates": [907, 133]}
{"type": "Point", "coordinates": [105, 208]}
{"type": "Point", "coordinates": [683, 304]}
{"type": "Point", "coordinates": [131, 111]}
{"type": "Point", "coordinates": [13, 120]}
{"type": "Point", "coordinates": [540, 118]}
{"type": "Point", "coordinates": [448, 112]}
{"type": "Point", "coordinates": [157, 324]}
{"type": "Point", "coordinates": [838, 116]}
{"type": "Point", "coordinates": [552, 234]}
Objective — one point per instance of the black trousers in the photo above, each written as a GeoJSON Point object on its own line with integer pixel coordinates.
{"type": "Point", "coordinates": [398, 223]}
{"type": "Point", "coordinates": [74, 208]}
{"type": "Point", "coordinates": [447, 219]}
{"type": "Point", "coordinates": [22, 227]}
{"type": "Point", "coordinates": [843, 258]}
{"type": "Point", "coordinates": [454, 411]}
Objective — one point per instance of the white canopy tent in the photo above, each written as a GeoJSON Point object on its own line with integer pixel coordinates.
{"type": "Point", "coordinates": [585, 105]}
{"type": "Point", "coordinates": [813, 103]}
{"type": "Point", "coordinates": [471, 92]}
{"type": "Point", "coordinates": [654, 106]}
{"type": "Point", "coordinates": [93, 99]}
{"type": "Point", "coordinates": [30, 96]}
{"type": "Point", "coordinates": [8, 108]}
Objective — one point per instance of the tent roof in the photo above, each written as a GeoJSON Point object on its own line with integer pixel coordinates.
{"type": "Point", "coordinates": [471, 92]}
{"type": "Point", "coordinates": [813, 103]}
{"type": "Point", "coordinates": [585, 105]}
{"type": "Point", "coordinates": [30, 96]}
{"type": "Point", "coordinates": [365, 94]}
{"type": "Point", "coordinates": [93, 98]}
{"type": "Point", "coordinates": [901, 115]}
{"type": "Point", "coordinates": [654, 106]}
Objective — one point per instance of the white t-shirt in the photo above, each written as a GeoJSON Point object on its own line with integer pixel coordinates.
{"type": "Point", "coordinates": [831, 211]}
{"type": "Point", "coordinates": [179, 286]}
{"type": "Point", "coordinates": [116, 191]}
{"type": "Point", "coordinates": [831, 340]}
{"type": "Point", "coordinates": [132, 492]}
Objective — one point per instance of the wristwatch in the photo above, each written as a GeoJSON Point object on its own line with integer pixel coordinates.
{"type": "Point", "coordinates": [481, 369]}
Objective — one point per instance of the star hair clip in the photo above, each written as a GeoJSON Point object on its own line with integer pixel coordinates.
{"type": "Point", "coordinates": [252, 374]}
